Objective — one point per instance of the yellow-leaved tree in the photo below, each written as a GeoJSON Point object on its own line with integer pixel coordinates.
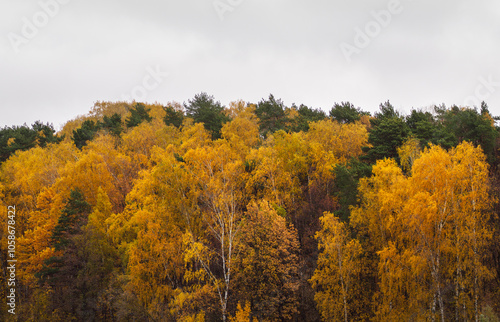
{"type": "Point", "coordinates": [337, 276]}
{"type": "Point", "coordinates": [278, 168]}
{"type": "Point", "coordinates": [429, 231]}
{"type": "Point", "coordinates": [219, 184]}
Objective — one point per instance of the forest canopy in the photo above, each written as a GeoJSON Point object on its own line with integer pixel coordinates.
{"type": "Point", "coordinates": [254, 212]}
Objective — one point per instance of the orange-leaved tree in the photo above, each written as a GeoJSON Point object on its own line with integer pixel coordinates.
{"type": "Point", "coordinates": [267, 265]}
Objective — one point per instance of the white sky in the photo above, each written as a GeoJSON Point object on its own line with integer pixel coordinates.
{"type": "Point", "coordinates": [56, 62]}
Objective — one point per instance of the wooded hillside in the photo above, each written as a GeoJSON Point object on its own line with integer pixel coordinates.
{"type": "Point", "coordinates": [254, 212]}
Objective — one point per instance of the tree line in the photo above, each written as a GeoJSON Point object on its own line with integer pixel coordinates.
{"type": "Point", "coordinates": [254, 212]}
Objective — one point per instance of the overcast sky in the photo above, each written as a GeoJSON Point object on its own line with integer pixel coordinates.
{"type": "Point", "coordinates": [58, 57]}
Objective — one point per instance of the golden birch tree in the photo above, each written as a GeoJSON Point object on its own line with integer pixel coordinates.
{"type": "Point", "coordinates": [338, 271]}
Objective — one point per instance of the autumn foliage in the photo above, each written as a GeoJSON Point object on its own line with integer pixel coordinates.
{"type": "Point", "coordinates": [254, 212]}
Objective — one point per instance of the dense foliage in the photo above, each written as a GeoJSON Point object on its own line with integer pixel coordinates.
{"type": "Point", "coordinates": [254, 212]}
